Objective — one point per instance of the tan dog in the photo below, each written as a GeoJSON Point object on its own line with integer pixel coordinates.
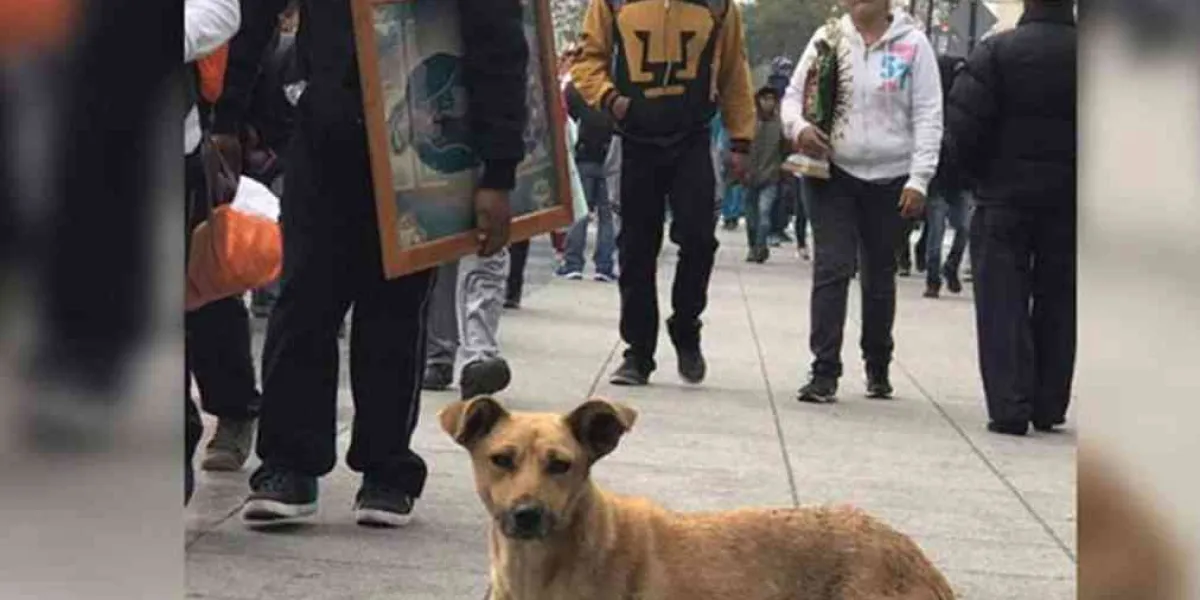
{"type": "Point", "coordinates": [556, 536]}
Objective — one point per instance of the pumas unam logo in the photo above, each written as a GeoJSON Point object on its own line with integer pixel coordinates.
{"type": "Point", "coordinates": [662, 59]}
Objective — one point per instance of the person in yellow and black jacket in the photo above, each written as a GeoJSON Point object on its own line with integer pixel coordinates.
{"type": "Point", "coordinates": [663, 68]}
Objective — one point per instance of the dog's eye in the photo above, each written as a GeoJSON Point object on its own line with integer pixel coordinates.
{"type": "Point", "coordinates": [503, 461]}
{"type": "Point", "coordinates": [557, 466]}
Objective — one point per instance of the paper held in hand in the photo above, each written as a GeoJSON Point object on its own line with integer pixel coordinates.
{"type": "Point", "coordinates": [806, 166]}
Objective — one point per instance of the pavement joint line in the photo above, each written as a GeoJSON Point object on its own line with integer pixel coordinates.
{"type": "Point", "coordinates": [990, 465]}
{"type": "Point", "coordinates": [762, 365]}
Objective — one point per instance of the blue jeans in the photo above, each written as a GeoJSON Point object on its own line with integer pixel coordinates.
{"type": "Point", "coordinates": [943, 206]}
{"type": "Point", "coordinates": [731, 204]}
{"type": "Point", "coordinates": [595, 189]}
{"type": "Point", "coordinates": [759, 205]}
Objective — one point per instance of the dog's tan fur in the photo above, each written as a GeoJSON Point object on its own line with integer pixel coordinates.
{"type": "Point", "coordinates": [609, 547]}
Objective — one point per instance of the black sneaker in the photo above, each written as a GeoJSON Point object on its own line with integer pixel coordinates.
{"type": "Point", "coordinates": [438, 377]}
{"type": "Point", "coordinates": [279, 497]}
{"type": "Point", "coordinates": [230, 446]}
{"type": "Point", "coordinates": [819, 390]}
{"type": "Point", "coordinates": [485, 377]}
{"type": "Point", "coordinates": [952, 282]}
{"type": "Point", "coordinates": [932, 291]}
{"type": "Point", "coordinates": [632, 372]}
{"type": "Point", "coordinates": [380, 505]}
{"type": "Point", "coordinates": [1017, 428]}
{"type": "Point", "coordinates": [878, 385]}
{"type": "Point", "coordinates": [512, 302]}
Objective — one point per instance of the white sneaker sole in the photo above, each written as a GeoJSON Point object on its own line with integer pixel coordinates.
{"type": "Point", "coordinates": [370, 517]}
{"type": "Point", "coordinates": [259, 513]}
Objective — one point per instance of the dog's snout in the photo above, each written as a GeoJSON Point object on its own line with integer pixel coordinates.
{"type": "Point", "coordinates": [527, 521]}
{"type": "Point", "coordinates": [528, 517]}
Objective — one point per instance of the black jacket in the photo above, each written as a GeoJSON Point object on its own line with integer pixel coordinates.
{"type": "Point", "coordinates": [947, 181]}
{"type": "Point", "coordinates": [1011, 113]}
{"type": "Point", "coordinates": [595, 128]}
{"type": "Point", "coordinates": [494, 68]}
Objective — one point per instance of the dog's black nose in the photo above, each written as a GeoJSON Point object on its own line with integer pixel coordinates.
{"type": "Point", "coordinates": [528, 518]}
{"type": "Point", "coordinates": [527, 521]}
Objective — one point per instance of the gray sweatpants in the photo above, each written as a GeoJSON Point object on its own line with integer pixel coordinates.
{"type": "Point", "coordinates": [464, 311]}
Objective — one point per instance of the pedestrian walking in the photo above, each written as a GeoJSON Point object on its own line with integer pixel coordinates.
{"type": "Point", "coordinates": [332, 261]}
{"type": "Point", "coordinates": [591, 149]}
{"type": "Point", "coordinates": [884, 151]}
{"type": "Point", "coordinates": [1012, 121]}
{"type": "Point", "coordinates": [947, 203]}
{"type": "Point", "coordinates": [217, 335]}
{"type": "Point", "coordinates": [762, 176]}
{"type": "Point", "coordinates": [663, 99]}
{"type": "Point", "coordinates": [464, 326]}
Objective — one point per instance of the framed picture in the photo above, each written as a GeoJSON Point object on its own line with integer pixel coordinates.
{"type": "Point", "coordinates": [423, 168]}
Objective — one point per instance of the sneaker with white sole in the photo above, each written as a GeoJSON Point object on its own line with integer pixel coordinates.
{"type": "Point", "coordinates": [605, 276]}
{"type": "Point", "coordinates": [569, 274]}
{"type": "Point", "coordinates": [279, 497]}
{"type": "Point", "coordinates": [381, 505]}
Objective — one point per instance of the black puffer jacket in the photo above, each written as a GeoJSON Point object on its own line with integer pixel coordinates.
{"type": "Point", "coordinates": [1011, 113]}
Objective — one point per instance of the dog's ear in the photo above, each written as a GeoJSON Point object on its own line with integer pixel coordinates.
{"type": "Point", "coordinates": [599, 424]}
{"type": "Point", "coordinates": [470, 420]}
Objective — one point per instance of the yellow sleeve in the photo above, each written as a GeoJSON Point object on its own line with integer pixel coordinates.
{"type": "Point", "coordinates": [591, 70]}
{"type": "Point", "coordinates": [733, 82]}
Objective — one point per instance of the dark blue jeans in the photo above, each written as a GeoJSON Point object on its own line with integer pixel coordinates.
{"type": "Point", "coordinates": [595, 188]}
{"type": "Point", "coordinates": [944, 206]}
{"type": "Point", "coordinates": [760, 203]}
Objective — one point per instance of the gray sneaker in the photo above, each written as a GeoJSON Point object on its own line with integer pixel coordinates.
{"type": "Point", "coordinates": [230, 445]}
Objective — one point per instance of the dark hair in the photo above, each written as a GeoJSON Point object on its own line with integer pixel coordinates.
{"type": "Point", "coordinates": [767, 91]}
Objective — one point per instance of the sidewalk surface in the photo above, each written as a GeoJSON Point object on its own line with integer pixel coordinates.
{"type": "Point", "coordinates": [996, 514]}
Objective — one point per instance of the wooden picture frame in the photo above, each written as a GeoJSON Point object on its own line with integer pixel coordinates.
{"type": "Point", "coordinates": [423, 171]}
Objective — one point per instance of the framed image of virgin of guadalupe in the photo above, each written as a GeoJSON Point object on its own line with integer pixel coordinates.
{"type": "Point", "coordinates": [423, 167]}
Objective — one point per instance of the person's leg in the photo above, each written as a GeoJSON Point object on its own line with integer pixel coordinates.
{"type": "Point", "coordinates": [754, 221]}
{"type": "Point", "coordinates": [442, 329]}
{"type": "Point", "coordinates": [903, 248]}
{"type": "Point", "coordinates": [934, 234]}
{"type": "Point", "coordinates": [801, 210]}
{"type": "Point", "coordinates": [1054, 315]}
{"type": "Point", "coordinates": [879, 222]}
{"type": "Point", "coordinates": [694, 230]}
{"type": "Point", "coordinates": [1000, 252]}
{"type": "Point", "coordinates": [518, 254]}
{"type": "Point", "coordinates": [573, 263]}
{"type": "Point", "coordinates": [298, 419]}
{"type": "Point", "coordinates": [605, 235]}
{"type": "Point", "coordinates": [480, 303]}
{"type": "Point", "coordinates": [218, 349]}
{"type": "Point", "coordinates": [387, 351]}
{"type": "Point", "coordinates": [766, 206]}
{"type": "Point", "coordinates": [643, 198]}
{"type": "Point", "coordinates": [921, 249]}
{"type": "Point", "coordinates": [835, 242]}
{"type": "Point", "coordinates": [957, 214]}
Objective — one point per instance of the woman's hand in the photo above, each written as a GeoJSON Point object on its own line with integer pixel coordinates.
{"type": "Point", "coordinates": [814, 143]}
{"type": "Point", "coordinates": [912, 203]}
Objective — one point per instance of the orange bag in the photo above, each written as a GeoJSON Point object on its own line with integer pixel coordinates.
{"type": "Point", "coordinates": [212, 73]}
{"type": "Point", "coordinates": [232, 251]}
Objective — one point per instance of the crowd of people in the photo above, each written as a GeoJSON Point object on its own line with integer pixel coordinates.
{"type": "Point", "coordinates": [663, 147]}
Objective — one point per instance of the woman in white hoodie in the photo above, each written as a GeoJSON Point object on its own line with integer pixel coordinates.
{"type": "Point", "coordinates": [883, 149]}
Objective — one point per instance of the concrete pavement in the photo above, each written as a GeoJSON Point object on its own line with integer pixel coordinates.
{"type": "Point", "coordinates": [997, 514]}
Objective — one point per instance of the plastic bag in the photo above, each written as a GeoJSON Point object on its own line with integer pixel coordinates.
{"type": "Point", "coordinates": [238, 248]}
